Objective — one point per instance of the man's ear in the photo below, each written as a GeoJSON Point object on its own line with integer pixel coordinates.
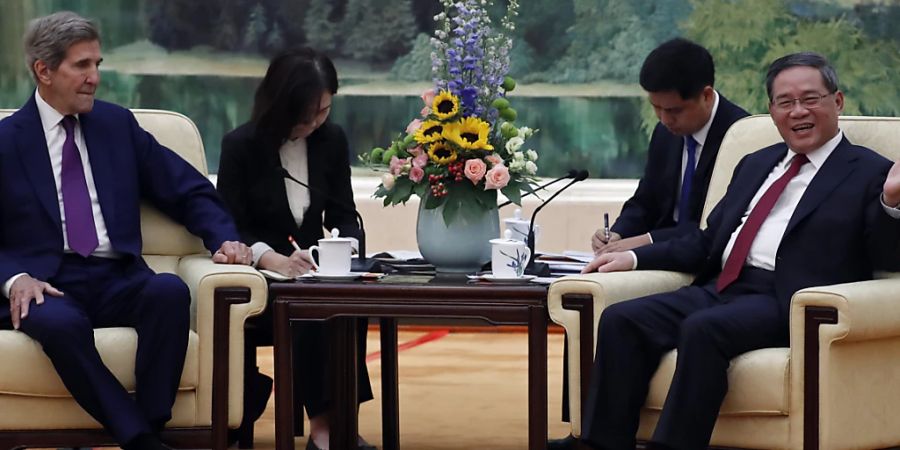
{"type": "Point", "coordinates": [41, 72]}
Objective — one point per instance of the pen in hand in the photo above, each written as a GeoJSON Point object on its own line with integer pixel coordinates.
{"type": "Point", "coordinates": [306, 256]}
{"type": "Point", "coordinates": [606, 227]}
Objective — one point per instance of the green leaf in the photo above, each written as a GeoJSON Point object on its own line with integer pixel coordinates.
{"type": "Point", "coordinates": [513, 193]}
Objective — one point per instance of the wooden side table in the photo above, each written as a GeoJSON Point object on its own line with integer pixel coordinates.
{"type": "Point", "coordinates": [391, 298]}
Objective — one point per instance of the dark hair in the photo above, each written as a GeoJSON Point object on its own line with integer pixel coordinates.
{"type": "Point", "coordinates": [291, 90]}
{"type": "Point", "coordinates": [804, 59]}
{"type": "Point", "coordinates": [678, 65]}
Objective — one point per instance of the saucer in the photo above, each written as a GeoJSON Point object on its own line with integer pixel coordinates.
{"type": "Point", "coordinates": [336, 277]}
{"type": "Point", "coordinates": [524, 279]}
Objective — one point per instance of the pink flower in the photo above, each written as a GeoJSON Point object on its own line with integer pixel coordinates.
{"type": "Point", "coordinates": [420, 160]}
{"type": "Point", "coordinates": [413, 126]}
{"type": "Point", "coordinates": [428, 97]}
{"type": "Point", "coordinates": [497, 178]}
{"type": "Point", "coordinates": [425, 111]}
{"type": "Point", "coordinates": [396, 166]}
{"type": "Point", "coordinates": [416, 151]}
{"type": "Point", "coordinates": [388, 180]}
{"type": "Point", "coordinates": [493, 159]}
{"type": "Point", "coordinates": [474, 170]}
{"type": "Point", "coordinates": [416, 174]}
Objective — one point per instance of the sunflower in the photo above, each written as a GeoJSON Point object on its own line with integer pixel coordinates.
{"type": "Point", "coordinates": [445, 105]}
{"type": "Point", "coordinates": [470, 133]}
{"type": "Point", "coordinates": [430, 131]}
{"type": "Point", "coordinates": [441, 153]}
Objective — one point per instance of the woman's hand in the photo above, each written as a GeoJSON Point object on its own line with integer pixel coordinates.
{"type": "Point", "coordinates": [299, 263]}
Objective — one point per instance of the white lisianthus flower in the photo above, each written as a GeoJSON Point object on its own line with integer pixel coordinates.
{"type": "Point", "coordinates": [530, 168]}
{"type": "Point", "coordinates": [531, 155]}
{"type": "Point", "coordinates": [513, 145]}
{"type": "Point", "coordinates": [387, 180]}
{"type": "Point", "coordinates": [526, 132]}
{"type": "Point", "coordinates": [517, 166]}
{"type": "Point", "coordinates": [518, 156]}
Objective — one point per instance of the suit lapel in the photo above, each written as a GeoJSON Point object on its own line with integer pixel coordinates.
{"type": "Point", "coordinates": [31, 145]}
{"type": "Point", "coordinates": [100, 157]}
{"type": "Point", "coordinates": [749, 180]}
{"type": "Point", "coordinates": [836, 168]}
{"type": "Point", "coordinates": [713, 139]}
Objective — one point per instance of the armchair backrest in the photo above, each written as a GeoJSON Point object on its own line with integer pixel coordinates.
{"type": "Point", "coordinates": [165, 241]}
{"type": "Point", "coordinates": [747, 135]}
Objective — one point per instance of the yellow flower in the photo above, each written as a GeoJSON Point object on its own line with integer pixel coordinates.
{"type": "Point", "coordinates": [470, 133]}
{"type": "Point", "coordinates": [430, 131]}
{"type": "Point", "coordinates": [441, 153]}
{"type": "Point", "coordinates": [445, 105]}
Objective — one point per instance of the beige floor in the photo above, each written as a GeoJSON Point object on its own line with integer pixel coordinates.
{"type": "Point", "coordinates": [463, 391]}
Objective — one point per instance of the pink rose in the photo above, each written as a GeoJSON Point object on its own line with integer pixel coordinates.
{"type": "Point", "coordinates": [428, 97]}
{"type": "Point", "coordinates": [396, 166]}
{"type": "Point", "coordinates": [413, 126]}
{"type": "Point", "coordinates": [497, 178]}
{"type": "Point", "coordinates": [474, 170]}
{"type": "Point", "coordinates": [416, 151]}
{"type": "Point", "coordinates": [416, 174]}
{"type": "Point", "coordinates": [494, 159]}
{"type": "Point", "coordinates": [420, 160]}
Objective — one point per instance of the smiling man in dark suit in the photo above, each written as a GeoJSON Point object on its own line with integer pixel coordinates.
{"type": "Point", "coordinates": [73, 172]}
{"type": "Point", "coordinates": [814, 210]}
{"type": "Point", "coordinates": [678, 77]}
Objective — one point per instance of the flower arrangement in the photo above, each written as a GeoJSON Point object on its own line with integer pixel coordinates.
{"type": "Point", "coordinates": [465, 146]}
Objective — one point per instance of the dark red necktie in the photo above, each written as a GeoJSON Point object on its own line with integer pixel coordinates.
{"type": "Point", "coordinates": [735, 262]}
{"type": "Point", "coordinates": [80, 229]}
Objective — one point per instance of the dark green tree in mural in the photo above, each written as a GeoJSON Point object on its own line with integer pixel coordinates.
{"type": "Point", "coordinates": [378, 30]}
{"type": "Point", "coordinates": [746, 35]}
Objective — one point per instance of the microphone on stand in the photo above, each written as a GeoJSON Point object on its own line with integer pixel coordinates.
{"type": "Point", "coordinates": [362, 263]}
{"type": "Point", "coordinates": [581, 175]}
{"type": "Point", "coordinates": [572, 173]}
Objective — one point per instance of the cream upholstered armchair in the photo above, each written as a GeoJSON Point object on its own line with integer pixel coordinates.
{"type": "Point", "coordinates": [36, 409]}
{"type": "Point", "coordinates": [834, 388]}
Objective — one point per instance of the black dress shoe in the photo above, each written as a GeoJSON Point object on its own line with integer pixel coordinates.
{"type": "Point", "coordinates": [567, 443]}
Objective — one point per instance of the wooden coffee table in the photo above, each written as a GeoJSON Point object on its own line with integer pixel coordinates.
{"type": "Point", "coordinates": [390, 298]}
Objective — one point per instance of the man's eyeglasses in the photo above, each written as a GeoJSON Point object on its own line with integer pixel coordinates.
{"type": "Point", "coordinates": [812, 101]}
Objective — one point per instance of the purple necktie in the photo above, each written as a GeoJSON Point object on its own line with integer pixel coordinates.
{"type": "Point", "coordinates": [80, 229]}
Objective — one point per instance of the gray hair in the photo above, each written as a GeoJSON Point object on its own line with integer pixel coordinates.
{"type": "Point", "coordinates": [804, 59]}
{"type": "Point", "coordinates": [48, 38]}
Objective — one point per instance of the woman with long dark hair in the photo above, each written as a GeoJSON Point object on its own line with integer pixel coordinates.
{"type": "Point", "coordinates": [288, 130]}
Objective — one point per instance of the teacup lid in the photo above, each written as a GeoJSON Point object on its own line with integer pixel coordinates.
{"type": "Point", "coordinates": [516, 218]}
{"type": "Point", "coordinates": [507, 239]}
{"type": "Point", "coordinates": [334, 237]}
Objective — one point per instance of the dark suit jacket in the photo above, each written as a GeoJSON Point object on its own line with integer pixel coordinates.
{"type": "Point", "coordinates": [839, 232]}
{"type": "Point", "coordinates": [651, 207]}
{"type": "Point", "coordinates": [128, 166]}
{"type": "Point", "coordinates": [254, 190]}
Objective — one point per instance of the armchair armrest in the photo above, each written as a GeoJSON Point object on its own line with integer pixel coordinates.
{"type": "Point", "coordinates": [223, 297]}
{"type": "Point", "coordinates": [845, 344]}
{"type": "Point", "coordinates": [576, 301]}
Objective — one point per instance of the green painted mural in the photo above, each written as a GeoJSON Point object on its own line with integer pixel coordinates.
{"type": "Point", "coordinates": [577, 61]}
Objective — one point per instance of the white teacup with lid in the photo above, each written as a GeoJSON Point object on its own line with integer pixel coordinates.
{"type": "Point", "coordinates": [334, 254]}
{"type": "Point", "coordinates": [518, 227]}
{"type": "Point", "coordinates": [509, 257]}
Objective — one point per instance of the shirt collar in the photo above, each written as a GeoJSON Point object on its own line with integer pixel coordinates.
{"type": "Point", "coordinates": [818, 156]}
{"type": "Point", "coordinates": [700, 135]}
{"type": "Point", "coordinates": [50, 117]}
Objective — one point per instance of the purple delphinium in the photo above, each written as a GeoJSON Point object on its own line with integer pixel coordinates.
{"type": "Point", "coordinates": [470, 58]}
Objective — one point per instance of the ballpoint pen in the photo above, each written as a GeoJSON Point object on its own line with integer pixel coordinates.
{"type": "Point", "coordinates": [294, 243]}
{"type": "Point", "coordinates": [606, 226]}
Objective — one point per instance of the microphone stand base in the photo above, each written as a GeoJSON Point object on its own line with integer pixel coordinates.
{"type": "Point", "coordinates": [362, 264]}
{"type": "Point", "coordinates": [537, 269]}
